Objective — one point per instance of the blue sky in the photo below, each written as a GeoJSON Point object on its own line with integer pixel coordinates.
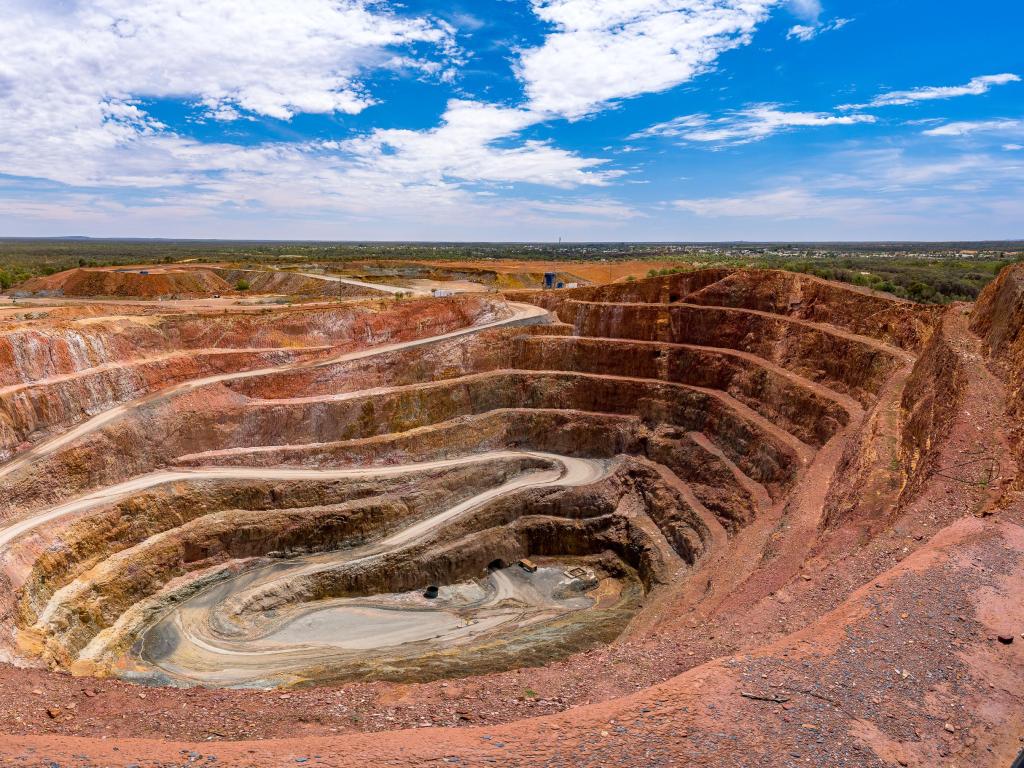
{"type": "Point", "coordinates": [512, 119]}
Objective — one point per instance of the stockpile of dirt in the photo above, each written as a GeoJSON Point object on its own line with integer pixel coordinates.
{"type": "Point", "coordinates": [290, 284]}
{"type": "Point", "coordinates": [141, 283]}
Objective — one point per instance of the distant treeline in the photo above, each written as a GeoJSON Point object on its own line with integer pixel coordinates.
{"type": "Point", "coordinates": [927, 272]}
{"type": "Point", "coordinates": [21, 259]}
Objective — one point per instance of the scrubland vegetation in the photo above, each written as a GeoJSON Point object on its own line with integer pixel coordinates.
{"type": "Point", "coordinates": [924, 272]}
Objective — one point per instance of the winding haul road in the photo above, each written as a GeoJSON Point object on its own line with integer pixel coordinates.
{"type": "Point", "coordinates": [394, 289]}
{"type": "Point", "coordinates": [192, 651]}
{"type": "Point", "coordinates": [575, 472]}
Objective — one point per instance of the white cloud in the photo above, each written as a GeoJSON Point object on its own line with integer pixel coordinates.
{"type": "Point", "coordinates": [77, 80]}
{"type": "Point", "coordinates": [799, 213]}
{"type": "Point", "coordinates": [605, 210]}
{"type": "Point", "coordinates": [462, 147]}
{"type": "Point", "coordinates": [805, 32]}
{"type": "Point", "coordinates": [966, 127]}
{"type": "Point", "coordinates": [894, 170]}
{"type": "Point", "coordinates": [467, 21]}
{"type": "Point", "coordinates": [72, 84]}
{"type": "Point", "coordinates": [256, 55]}
{"type": "Point", "coordinates": [602, 51]}
{"type": "Point", "coordinates": [786, 203]}
{"type": "Point", "coordinates": [746, 125]}
{"type": "Point", "coordinates": [876, 187]}
{"type": "Point", "coordinates": [801, 32]}
{"type": "Point", "coordinates": [1013, 147]}
{"type": "Point", "coordinates": [974, 87]}
{"type": "Point", "coordinates": [809, 10]}
{"type": "Point", "coordinates": [73, 77]}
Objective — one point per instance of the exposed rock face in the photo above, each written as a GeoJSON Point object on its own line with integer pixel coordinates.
{"type": "Point", "coordinates": [998, 318]}
{"type": "Point", "coordinates": [730, 403]}
{"type": "Point", "coordinates": [931, 399]}
{"type": "Point", "coordinates": [804, 297]}
{"type": "Point", "coordinates": [185, 282]}
{"type": "Point", "coordinates": [900, 323]}
{"type": "Point", "coordinates": [55, 375]}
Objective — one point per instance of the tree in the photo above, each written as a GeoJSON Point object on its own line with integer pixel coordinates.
{"type": "Point", "coordinates": [242, 285]}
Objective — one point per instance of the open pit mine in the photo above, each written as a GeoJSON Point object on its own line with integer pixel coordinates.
{"type": "Point", "coordinates": [717, 518]}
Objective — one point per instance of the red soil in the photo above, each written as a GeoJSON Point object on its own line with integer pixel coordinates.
{"type": "Point", "coordinates": [133, 283]}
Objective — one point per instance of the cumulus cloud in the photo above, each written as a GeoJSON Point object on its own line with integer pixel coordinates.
{"type": "Point", "coordinates": [746, 125]}
{"type": "Point", "coordinates": [77, 81]}
{"type": "Point", "coordinates": [463, 147]}
{"type": "Point", "coordinates": [256, 55]}
{"type": "Point", "coordinates": [976, 86]}
{"type": "Point", "coordinates": [602, 51]}
{"type": "Point", "coordinates": [76, 76]}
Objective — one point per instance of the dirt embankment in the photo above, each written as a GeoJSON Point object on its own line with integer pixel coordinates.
{"type": "Point", "coordinates": [187, 282]}
{"type": "Point", "coordinates": [129, 283]}
{"type": "Point", "coordinates": [900, 323]}
{"type": "Point", "coordinates": [859, 310]}
{"type": "Point", "coordinates": [592, 271]}
{"type": "Point", "coordinates": [998, 318]}
{"type": "Point", "coordinates": [290, 284]}
{"type": "Point", "coordinates": [657, 290]}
